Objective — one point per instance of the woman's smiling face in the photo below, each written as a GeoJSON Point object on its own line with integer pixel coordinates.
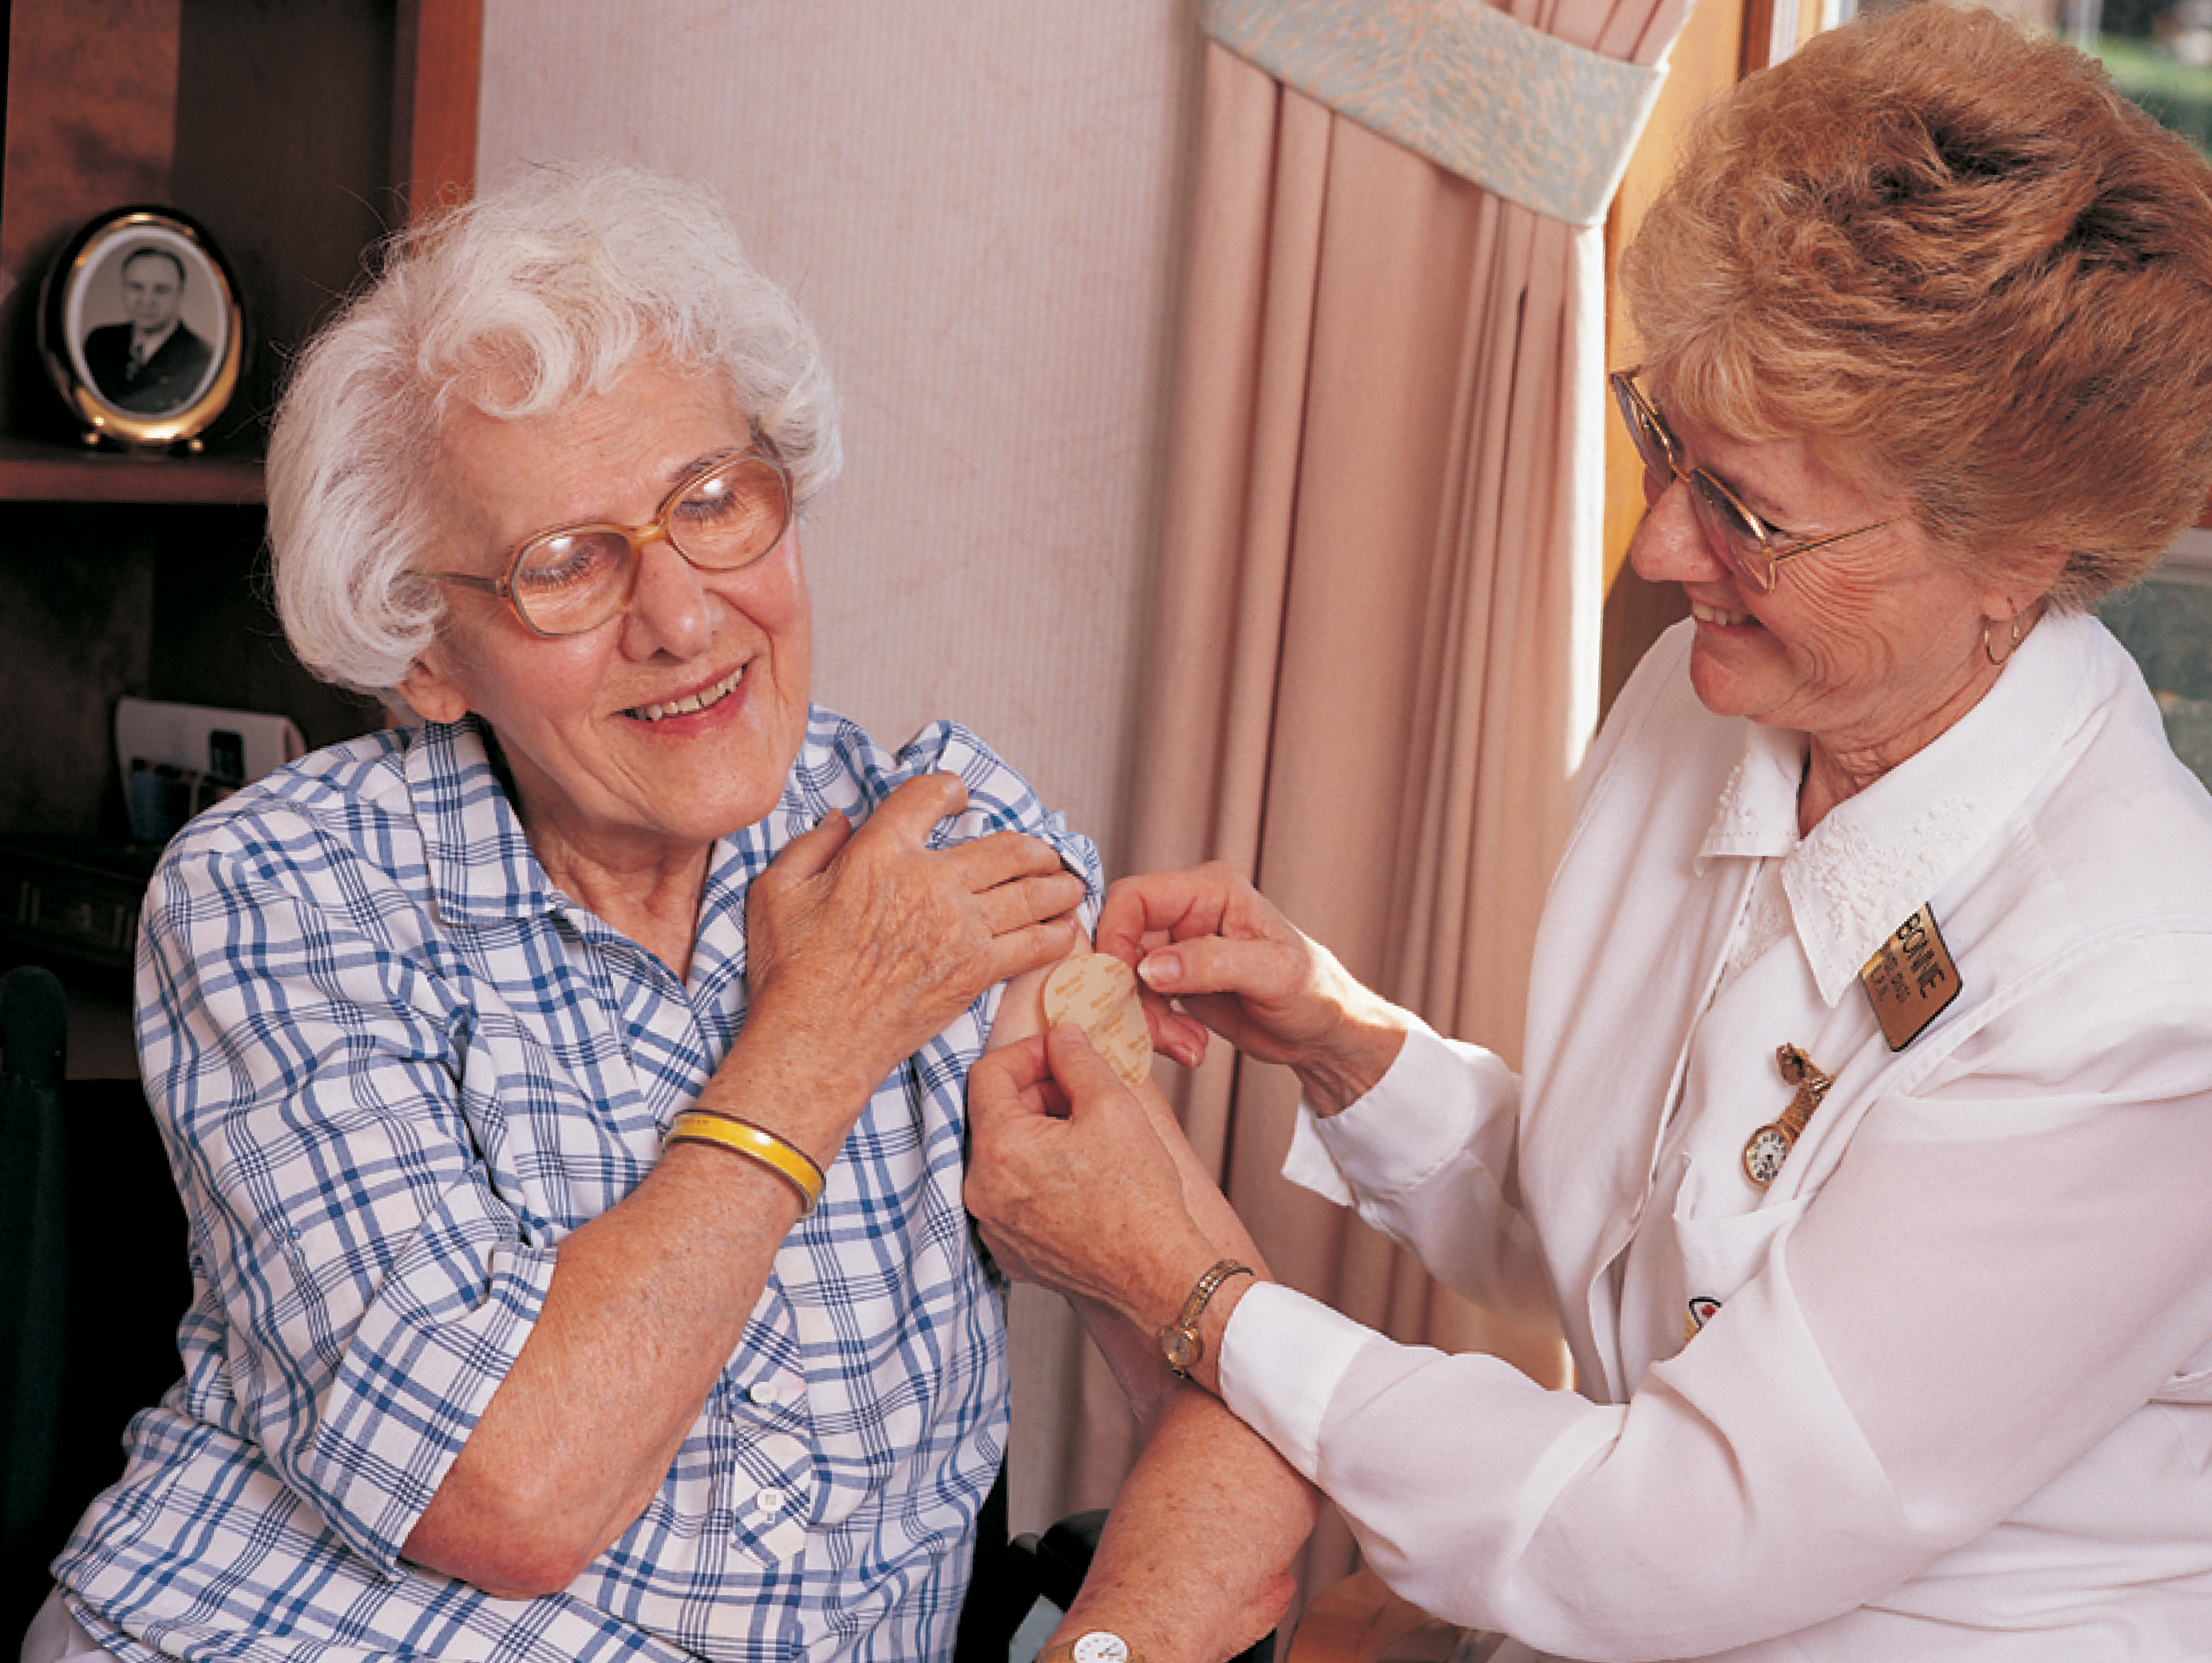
{"type": "Point", "coordinates": [1873, 646]}
{"type": "Point", "coordinates": [664, 729]}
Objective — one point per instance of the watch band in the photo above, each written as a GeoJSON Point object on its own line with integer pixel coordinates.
{"type": "Point", "coordinates": [1179, 1340]}
{"type": "Point", "coordinates": [1098, 1646]}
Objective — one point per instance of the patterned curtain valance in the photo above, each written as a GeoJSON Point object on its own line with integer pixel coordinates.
{"type": "Point", "coordinates": [1519, 111]}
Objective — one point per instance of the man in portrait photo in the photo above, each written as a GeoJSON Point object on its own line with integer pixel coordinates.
{"type": "Point", "coordinates": [154, 363]}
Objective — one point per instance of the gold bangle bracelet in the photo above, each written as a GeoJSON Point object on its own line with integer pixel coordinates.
{"type": "Point", "coordinates": [812, 1171]}
{"type": "Point", "coordinates": [727, 1132]}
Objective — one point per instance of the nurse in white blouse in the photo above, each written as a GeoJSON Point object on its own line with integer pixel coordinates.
{"type": "Point", "coordinates": [1864, 1138]}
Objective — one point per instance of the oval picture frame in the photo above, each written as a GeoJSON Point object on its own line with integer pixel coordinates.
{"type": "Point", "coordinates": [114, 282]}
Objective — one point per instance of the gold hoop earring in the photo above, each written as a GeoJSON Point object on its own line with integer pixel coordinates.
{"type": "Point", "coordinates": [2011, 647]}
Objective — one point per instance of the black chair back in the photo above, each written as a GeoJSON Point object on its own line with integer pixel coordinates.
{"type": "Point", "coordinates": [92, 1279]}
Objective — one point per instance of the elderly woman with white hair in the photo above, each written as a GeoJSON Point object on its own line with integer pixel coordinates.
{"type": "Point", "coordinates": [565, 1084]}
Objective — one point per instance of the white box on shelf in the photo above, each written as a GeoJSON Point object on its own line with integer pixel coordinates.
{"type": "Point", "coordinates": [178, 758]}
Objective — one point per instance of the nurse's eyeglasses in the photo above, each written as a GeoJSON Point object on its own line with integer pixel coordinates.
{"type": "Point", "coordinates": [1753, 550]}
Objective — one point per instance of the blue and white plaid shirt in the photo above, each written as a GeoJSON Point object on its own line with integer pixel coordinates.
{"type": "Point", "coordinates": [395, 1067]}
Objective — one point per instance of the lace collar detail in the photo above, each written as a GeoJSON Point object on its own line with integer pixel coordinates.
{"type": "Point", "coordinates": [1756, 813]}
{"type": "Point", "coordinates": [1878, 856]}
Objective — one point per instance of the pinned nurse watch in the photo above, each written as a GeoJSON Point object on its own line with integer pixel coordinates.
{"type": "Point", "coordinates": [1097, 1646]}
{"type": "Point", "coordinates": [1770, 1146]}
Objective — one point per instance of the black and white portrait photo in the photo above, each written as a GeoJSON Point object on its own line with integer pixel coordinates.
{"type": "Point", "coordinates": [154, 360]}
{"type": "Point", "coordinates": [143, 329]}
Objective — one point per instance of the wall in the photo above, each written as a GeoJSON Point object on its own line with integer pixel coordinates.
{"type": "Point", "coordinates": [976, 208]}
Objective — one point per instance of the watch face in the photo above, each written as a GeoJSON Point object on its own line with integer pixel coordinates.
{"type": "Point", "coordinates": [1100, 1646]}
{"type": "Point", "coordinates": [1764, 1155]}
{"type": "Point", "coordinates": [1181, 1345]}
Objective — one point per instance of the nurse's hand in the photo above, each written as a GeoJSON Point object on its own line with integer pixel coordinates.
{"type": "Point", "coordinates": [1074, 1187]}
{"type": "Point", "coordinates": [1232, 963]}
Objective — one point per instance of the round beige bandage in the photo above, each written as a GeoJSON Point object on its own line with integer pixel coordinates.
{"type": "Point", "coordinates": [1098, 993]}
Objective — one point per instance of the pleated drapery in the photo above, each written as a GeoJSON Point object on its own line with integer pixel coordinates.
{"type": "Point", "coordinates": [1373, 654]}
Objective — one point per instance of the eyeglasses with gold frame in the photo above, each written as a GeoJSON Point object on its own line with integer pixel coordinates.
{"type": "Point", "coordinates": [1753, 550]}
{"type": "Point", "coordinates": [574, 578]}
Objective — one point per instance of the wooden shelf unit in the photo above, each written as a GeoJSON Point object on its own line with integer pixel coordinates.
{"type": "Point", "coordinates": [32, 471]}
{"type": "Point", "coordinates": [298, 135]}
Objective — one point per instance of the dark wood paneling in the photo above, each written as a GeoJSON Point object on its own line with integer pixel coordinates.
{"type": "Point", "coordinates": [91, 125]}
{"type": "Point", "coordinates": [284, 152]}
{"type": "Point", "coordinates": [441, 69]}
{"type": "Point", "coordinates": [216, 639]}
{"type": "Point", "coordinates": [77, 586]}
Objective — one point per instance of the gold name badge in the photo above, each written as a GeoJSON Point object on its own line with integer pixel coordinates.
{"type": "Point", "coordinates": [1911, 979]}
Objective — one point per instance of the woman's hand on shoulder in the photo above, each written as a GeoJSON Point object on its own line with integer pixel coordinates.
{"type": "Point", "coordinates": [1232, 963]}
{"type": "Point", "coordinates": [866, 942]}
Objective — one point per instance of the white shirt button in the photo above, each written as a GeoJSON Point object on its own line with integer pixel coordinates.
{"type": "Point", "coordinates": [770, 1499]}
{"type": "Point", "coordinates": [762, 1393]}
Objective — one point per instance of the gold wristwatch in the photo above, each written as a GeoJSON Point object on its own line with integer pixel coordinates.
{"type": "Point", "coordinates": [1097, 1646]}
{"type": "Point", "coordinates": [1179, 1340]}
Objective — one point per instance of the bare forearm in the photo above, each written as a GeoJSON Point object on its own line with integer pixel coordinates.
{"type": "Point", "coordinates": [646, 1306]}
{"type": "Point", "coordinates": [1360, 1051]}
{"type": "Point", "coordinates": [1133, 1355]}
{"type": "Point", "coordinates": [1196, 1562]}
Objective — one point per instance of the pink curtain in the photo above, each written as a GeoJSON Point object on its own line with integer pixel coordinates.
{"type": "Point", "coordinates": [1373, 652]}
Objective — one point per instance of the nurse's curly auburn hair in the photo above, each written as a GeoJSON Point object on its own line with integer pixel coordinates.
{"type": "Point", "coordinates": [1946, 253]}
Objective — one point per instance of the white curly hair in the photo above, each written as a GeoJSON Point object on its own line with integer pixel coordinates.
{"type": "Point", "coordinates": [515, 304]}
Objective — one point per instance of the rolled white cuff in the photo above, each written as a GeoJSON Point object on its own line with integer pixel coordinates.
{"type": "Point", "coordinates": [1417, 1117]}
{"type": "Point", "coordinates": [1282, 1355]}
